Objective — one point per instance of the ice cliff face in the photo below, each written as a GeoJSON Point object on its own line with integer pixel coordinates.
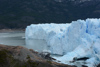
{"type": "Point", "coordinates": [52, 33]}
{"type": "Point", "coordinates": [81, 38]}
{"type": "Point", "coordinates": [43, 31]}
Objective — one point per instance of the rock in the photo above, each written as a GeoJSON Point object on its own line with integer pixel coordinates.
{"type": "Point", "coordinates": [46, 55]}
{"type": "Point", "coordinates": [84, 66]}
{"type": "Point", "coordinates": [21, 53]}
{"type": "Point", "coordinates": [98, 65]}
{"type": "Point", "coordinates": [17, 56]}
{"type": "Point", "coordinates": [80, 59]}
{"type": "Point", "coordinates": [33, 51]}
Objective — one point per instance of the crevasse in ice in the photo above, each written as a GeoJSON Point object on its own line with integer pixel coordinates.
{"type": "Point", "coordinates": [80, 38]}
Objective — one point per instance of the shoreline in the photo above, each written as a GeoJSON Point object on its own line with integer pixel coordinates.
{"type": "Point", "coordinates": [11, 30]}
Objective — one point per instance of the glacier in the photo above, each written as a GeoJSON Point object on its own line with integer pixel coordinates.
{"type": "Point", "coordinates": [80, 38]}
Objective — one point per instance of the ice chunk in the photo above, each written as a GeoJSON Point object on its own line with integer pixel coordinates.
{"type": "Point", "coordinates": [92, 62]}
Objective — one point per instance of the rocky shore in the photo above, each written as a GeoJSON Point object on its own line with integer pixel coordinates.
{"type": "Point", "coordinates": [17, 56]}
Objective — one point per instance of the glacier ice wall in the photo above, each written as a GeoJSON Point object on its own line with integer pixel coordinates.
{"type": "Point", "coordinates": [49, 32]}
{"type": "Point", "coordinates": [81, 38]}
{"type": "Point", "coordinates": [84, 37]}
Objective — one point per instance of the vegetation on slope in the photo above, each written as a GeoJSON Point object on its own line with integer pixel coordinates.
{"type": "Point", "coordinates": [20, 13]}
{"type": "Point", "coordinates": [17, 56]}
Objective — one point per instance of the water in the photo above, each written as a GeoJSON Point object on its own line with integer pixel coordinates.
{"type": "Point", "coordinates": [15, 39]}
{"type": "Point", "coordinates": [18, 39]}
